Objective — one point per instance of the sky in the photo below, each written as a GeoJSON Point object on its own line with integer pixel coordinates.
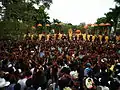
{"type": "Point", "coordinates": [78, 11]}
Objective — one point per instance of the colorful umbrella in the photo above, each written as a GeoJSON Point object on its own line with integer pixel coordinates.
{"type": "Point", "coordinates": [89, 24]}
{"type": "Point", "coordinates": [108, 24]}
{"type": "Point", "coordinates": [33, 27]}
{"type": "Point", "coordinates": [101, 24]}
{"type": "Point", "coordinates": [77, 31]}
{"type": "Point", "coordinates": [39, 25]}
{"type": "Point", "coordinates": [86, 27]}
{"type": "Point", "coordinates": [47, 25]}
{"type": "Point", "coordinates": [95, 25]}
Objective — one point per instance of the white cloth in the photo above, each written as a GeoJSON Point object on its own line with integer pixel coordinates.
{"type": "Point", "coordinates": [22, 82]}
{"type": "Point", "coordinates": [39, 88]}
{"type": "Point", "coordinates": [32, 71]}
{"type": "Point", "coordinates": [102, 88]}
{"type": "Point", "coordinates": [74, 74]}
{"type": "Point", "coordinates": [3, 83]}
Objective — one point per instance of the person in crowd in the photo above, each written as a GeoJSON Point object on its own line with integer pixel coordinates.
{"type": "Point", "coordinates": [30, 64]}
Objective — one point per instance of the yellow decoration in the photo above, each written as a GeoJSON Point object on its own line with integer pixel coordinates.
{"type": "Point", "coordinates": [100, 37]}
{"type": "Point", "coordinates": [29, 34]}
{"type": "Point", "coordinates": [70, 32]}
{"type": "Point", "coordinates": [40, 36]}
{"type": "Point", "coordinates": [117, 38]}
{"type": "Point", "coordinates": [67, 88]}
{"type": "Point", "coordinates": [106, 38]}
{"type": "Point", "coordinates": [78, 35]}
{"type": "Point", "coordinates": [84, 37]}
{"type": "Point", "coordinates": [55, 36]}
{"type": "Point", "coordinates": [112, 67]}
{"type": "Point", "coordinates": [88, 37]}
{"type": "Point", "coordinates": [39, 25]}
{"type": "Point", "coordinates": [47, 25]}
{"type": "Point", "coordinates": [32, 37]}
{"type": "Point", "coordinates": [48, 36]}
{"type": "Point", "coordinates": [60, 36]}
{"type": "Point", "coordinates": [93, 38]}
{"type": "Point", "coordinates": [25, 35]}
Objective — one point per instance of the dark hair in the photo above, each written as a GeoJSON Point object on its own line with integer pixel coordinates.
{"type": "Point", "coordinates": [29, 82]}
{"type": "Point", "coordinates": [17, 86]}
{"type": "Point", "coordinates": [28, 73]}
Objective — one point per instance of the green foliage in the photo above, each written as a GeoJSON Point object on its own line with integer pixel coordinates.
{"type": "Point", "coordinates": [101, 20]}
{"type": "Point", "coordinates": [20, 15]}
{"type": "Point", "coordinates": [117, 1]}
{"type": "Point", "coordinates": [13, 30]}
{"type": "Point", "coordinates": [114, 15]}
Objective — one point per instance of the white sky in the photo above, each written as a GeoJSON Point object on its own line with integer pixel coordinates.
{"type": "Point", "coordinates": [77, 11]}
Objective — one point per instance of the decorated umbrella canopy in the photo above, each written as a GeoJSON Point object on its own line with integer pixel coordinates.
{"type": "Point", "coordinates": [89, 24]}
{"type": "Point", "coordinates": [95, 25]}
{"type": "Point", "coordinates": [39, 25]}
{"type": "Point", "coordinates": [86, 27]}
{"type": "Point", "coordinates": [77, 31]}
{"type": "Point", "coordinates": [108, 27]}
{"type": "Point", "coordinates": [102, 24]}
{"type": "Point", "coordinates": [47, 25]}
{"type": "Point", "coordinates": [108, 24]}
{"type": "Point", "coordinates": [33, 27]}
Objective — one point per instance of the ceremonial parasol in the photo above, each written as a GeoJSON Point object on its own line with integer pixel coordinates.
{"type": "Point", "coordinates": [47, 25]}
{"type": "Point", "coordinates": [33, 27]}
{"type": "Point", "coordinates": [86, 27]}
{"type": "Point", "coordinates": [101, 24]}
{"type": "Point", "coordinates": [89, 24]}
{"type": "Point", "coordinates": [108, 24]}
{"type": "Point", "coordinates": [77, 31]}
{"type": "Point", "coordinates": [39, 25]}
{"type": "Point", "coordinates": [95, 25]}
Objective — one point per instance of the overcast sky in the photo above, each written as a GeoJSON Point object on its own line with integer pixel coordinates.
{"type": "Point", "coordinates": [77, 11]}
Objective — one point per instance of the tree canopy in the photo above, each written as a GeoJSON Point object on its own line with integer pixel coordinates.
{"type": "Point", "coordinates": [22, 13]}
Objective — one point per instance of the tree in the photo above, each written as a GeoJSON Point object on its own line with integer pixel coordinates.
{"type": "Point", "coordinates": [23, 13]}
{"type": "Point", "coordinates": [117, 1]}
{"type": "Point", "coordinates": [101, 20]}
{"type": "Point", "coordinates": [113, 15]}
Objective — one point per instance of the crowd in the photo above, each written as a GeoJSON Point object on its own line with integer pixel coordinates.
{"type": "Point", "coordinates": [60, 64]}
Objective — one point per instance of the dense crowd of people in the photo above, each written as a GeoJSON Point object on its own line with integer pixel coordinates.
{"type": "Point", "coordinates": [60, 64]}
